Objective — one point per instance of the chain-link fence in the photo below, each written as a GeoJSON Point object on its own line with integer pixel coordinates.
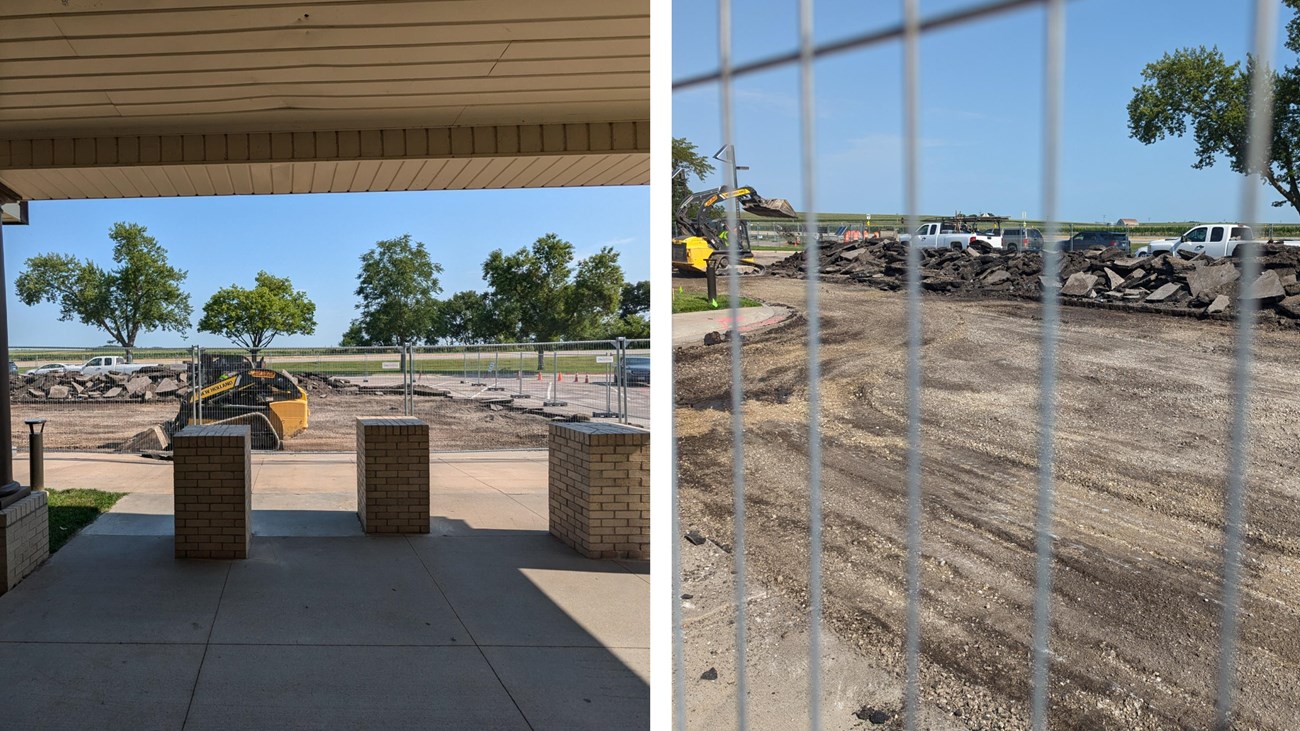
{"type": "Point", "coordinates": [487, 396]}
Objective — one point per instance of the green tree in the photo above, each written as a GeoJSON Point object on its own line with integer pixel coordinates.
{"type": "Point", "coordinates": [398, 288]}
{"type": "Point", "coordinates": [463, 318]}
{"type": "Point", "coordinates": [143, 293]}
{"type": "Point", "coordinates": [252, 318]}
{"type": "Point", "coordinates": [687, 163]}
{"type": "Point", "coordinates": [635, 298]}
{"type": "Point", "coordinates": [537, 294]}
{"type": "Point", "coordinates": [1198, 88]}
{"type": "Point", "coordinates": [632, 327]}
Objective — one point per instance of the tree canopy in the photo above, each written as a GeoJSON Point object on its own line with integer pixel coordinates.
{"type": "Point", "coordinates": [1198, 90]}
{"type": "Point", "coordinates": [143, 293]}
{"type": "Point", "coordinates": [252, 318]}
{"type": "Point", "coordinates": [536, 294]}
{"type": "Point", "coordinates": [692, 165]}
{"type": "Point", "coordinates": [463, 318]}
{"type": "Point", "coordinates": [398, 288]}
{"type": "Point", "coordinates": [635, 298]}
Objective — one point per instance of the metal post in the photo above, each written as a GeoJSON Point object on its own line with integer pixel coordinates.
{"type": "Point", "coordinates": [464, 366]}
{"type": "Point", "coordinates": [194, 382]}
{"type": "Point", "coordinates": [36, 453]}
{"type": "Point", "coordinates": [7, 484]}
{"type": "Point", "coordinates": [408, 379]}
{"type": "Point", "coordinates": [554, 400]}
{"type": "Point", "coordinates": [607, 414]}
{"type": "Point", "coordinates": [519, 372]}
{"type": "Point", "coordinates": [622, 367]}
{"type": "Point", "coordinates": [478, 378]}
{"type": "Point", "coordinates": [496, 372]}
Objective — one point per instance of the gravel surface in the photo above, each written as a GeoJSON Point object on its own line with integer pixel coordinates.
{"type": "Point", "coordinates": [453, 424]}
{"type": "Point", "coordinates": [1143, 416]}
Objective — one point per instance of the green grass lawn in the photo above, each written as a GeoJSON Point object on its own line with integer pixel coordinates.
{"type": "Point", "coordinates": [72, 510]}
{"type": "Point", "coordinates": [694, 302]}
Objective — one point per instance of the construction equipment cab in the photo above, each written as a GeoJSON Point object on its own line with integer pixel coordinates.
{"type": "Point", "coordinates": [232, 391]}
{"type": "Point", "coordinates": [701, 237]}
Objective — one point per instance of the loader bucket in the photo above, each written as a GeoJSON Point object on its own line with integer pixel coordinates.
{"type": "Point", "coordinates": [770, 208]}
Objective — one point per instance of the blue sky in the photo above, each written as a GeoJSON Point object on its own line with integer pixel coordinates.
{"type": "Point", "coordinates": [316, 240]}
{"type": "Point", "coordinates": [981, 107]}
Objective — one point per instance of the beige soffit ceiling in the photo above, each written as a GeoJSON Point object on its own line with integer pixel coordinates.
{"type": "Point", "coordinates": [129, 98]}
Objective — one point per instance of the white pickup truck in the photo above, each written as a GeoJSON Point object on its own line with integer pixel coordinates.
{"type": "Point", "coordinates": [1211, 239]}
{"type": "Point", "coordinates": [112, 364]}
{"type": "Point", "coordinates": [943, 235]}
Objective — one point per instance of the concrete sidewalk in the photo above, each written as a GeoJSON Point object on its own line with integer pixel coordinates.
{"type": "Point", "coordinates": [488, 622]}
{"type": "Point", "coordinates": [689, 328]}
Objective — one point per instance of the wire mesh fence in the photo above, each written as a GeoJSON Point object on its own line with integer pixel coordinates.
{"type": "Point", "coordinates": [486, 396]}
{"type": "Point", "coordinates": [1027, 625]}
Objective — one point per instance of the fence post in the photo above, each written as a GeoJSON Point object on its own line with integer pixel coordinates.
{"type": "Point", "coordinates": [194, 383]}
{"type": "Point", "coordinates": [622, 367]}
{"type": "Point", "coordinates": [554, 400]}
{"type": "Point", "coordinates": [519, 371]}
{"type": "Point", "coordinates": [478, 369]}
{"type": "Point", "coordinates": [609, 375]}
{"type": "Point", "coordinates": [496, 372]}
{"type": "Point", "coordinates": [408, 381]}
{"type": "Point", "coordinates": [198, 387]}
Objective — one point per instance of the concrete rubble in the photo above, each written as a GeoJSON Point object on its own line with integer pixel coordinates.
{"type": "Point", "coordinates": [172, 382]}
{"type": "Point", "coordinates": [143, 385]}
{"type": "Point", "coordinates": [1166, 283]}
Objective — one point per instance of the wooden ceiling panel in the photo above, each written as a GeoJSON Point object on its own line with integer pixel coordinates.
{"type": "Point", "coordinates": [122, 98]}
{"type": "Point", "coordinates": [45, 19]}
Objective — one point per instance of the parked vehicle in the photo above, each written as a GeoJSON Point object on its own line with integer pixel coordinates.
{"type": "Point", "coordinates": [52, 368]}
{"type": "Point", "coordinates": [1211, 239]}
{"type": "Point", "coordinates": [1084, 240]}
{"type": "Point", "coordinates": [112, 364]}
{"type": "Point", "coordinates": [1022, 239]}
{"type": "Point", "coordinates": [1218, 239]}
{"type": "Point", "coordinates": [637, 370]}
{"type": "Point", "coordinates": [958, 232]}
{"type": "Point", "coordinates": [13, 368]}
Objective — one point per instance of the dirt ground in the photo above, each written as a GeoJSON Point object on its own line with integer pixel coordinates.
{"type": "Point", "coordinates": [1142, 448]}
{"type": "Point", "coordinates": [454, 424]}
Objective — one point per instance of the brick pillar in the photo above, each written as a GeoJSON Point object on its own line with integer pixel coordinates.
{"type": "Point", "coordinates": [212, 478]}
{"type": "Point", "coordinates": [393, 475]}
{"type": "Point", "coordinates": [599, 483]}
{"type": "Point", "coordinates": [24, 538]}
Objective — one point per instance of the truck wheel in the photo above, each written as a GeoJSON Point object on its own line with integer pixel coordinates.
{"type": "Point", "coordinates": [1012, 249]}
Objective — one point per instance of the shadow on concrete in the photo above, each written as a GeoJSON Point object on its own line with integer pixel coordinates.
{"type": "Point", "coordinates": [323, 626]}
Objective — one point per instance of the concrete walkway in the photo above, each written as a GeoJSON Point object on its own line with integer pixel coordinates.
{"type": "Point", "coordinates": [689, 328]}
{"type": "Point", "coordinates": [488, 622]}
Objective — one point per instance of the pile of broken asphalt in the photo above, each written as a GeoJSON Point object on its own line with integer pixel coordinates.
{"type": "Point", "coordinates": [1166, 283]}
{"type": "Point", "coordinates": [158, 382]}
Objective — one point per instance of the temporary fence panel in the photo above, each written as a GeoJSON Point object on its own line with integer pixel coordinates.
{"type": "Point", "coordinates": [301, 399]}
{"type": "Point", "coordinates": [909, 32]}
{"type": "Point", "coordinates": [518, 387]}
{"type": "Point", "coordinates": [93, 400]}
{"type": "Point", "coordinates": [481, 396]}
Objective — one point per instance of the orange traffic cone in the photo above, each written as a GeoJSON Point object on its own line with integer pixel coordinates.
{"type": "Point", "coordinates": [539, 375]}
{"type": "Point", "coordinates": [588, 377]}
{"type": "Point", "coordinates": [561, 376]}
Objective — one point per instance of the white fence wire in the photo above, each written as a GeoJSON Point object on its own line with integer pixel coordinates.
{"type": "Point", "coordinates": [479, 397]}
{"type": "Point", "coordinates": [910, 31]}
